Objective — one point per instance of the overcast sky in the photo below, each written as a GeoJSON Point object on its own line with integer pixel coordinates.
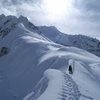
{"type": "Point", "coordinates": [69, 16]}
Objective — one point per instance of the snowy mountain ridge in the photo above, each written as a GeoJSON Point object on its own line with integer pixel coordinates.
{"type": "Point", "coordinates": [33, 67]}
{"type": "Point", "coordinates": [83, 42]}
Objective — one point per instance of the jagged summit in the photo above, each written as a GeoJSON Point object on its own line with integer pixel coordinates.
{"type": "Point", "coordinates": [9, 23]}
{"type": "Point", "coordinates": [2, 16]}
{"type": "Point", "coordinates": [8, 19]}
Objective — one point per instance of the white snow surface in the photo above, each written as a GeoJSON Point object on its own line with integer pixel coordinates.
{"type": "Point", "coordinates": [54, 78]}
{"type": "Point", "coordinates": [84, 42]}
{"type": "Point", "coordinates": [36, 68]}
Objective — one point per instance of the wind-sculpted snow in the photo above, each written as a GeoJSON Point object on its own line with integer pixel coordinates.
{"type": "Point", "coordinates": [69, 55]}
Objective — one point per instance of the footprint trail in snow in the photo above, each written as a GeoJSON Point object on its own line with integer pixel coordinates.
{"type": "Point", "coordinates": [69, 89]}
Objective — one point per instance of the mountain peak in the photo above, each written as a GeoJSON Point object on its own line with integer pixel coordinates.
{"type": "Point", "coordinates": [22, 18]}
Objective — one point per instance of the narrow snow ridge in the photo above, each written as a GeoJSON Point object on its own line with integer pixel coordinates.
{"type": "Point", "coordinates": [60, 87]}
{"type": "Point", "coordinates": [55, 78]}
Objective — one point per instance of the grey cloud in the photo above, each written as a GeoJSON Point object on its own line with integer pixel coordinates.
{"type": "Point", "coordinates": [89, 10]}
{"type": "Point", "coordinates": [6, 2]}
{"type": "Point", "coordinates": [23, 1]}
{"type": "Point", "coordinates": [89, 5]}
{"type": "Point", "coordinates": [16, 2]}
{"type": "Point", "coordinates": [17, 7]}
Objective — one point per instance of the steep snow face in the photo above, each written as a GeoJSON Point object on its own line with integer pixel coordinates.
{"type": "Point", "coordinates": [50, 32]}
{"type": "Point", "coordinates": [36, 68]}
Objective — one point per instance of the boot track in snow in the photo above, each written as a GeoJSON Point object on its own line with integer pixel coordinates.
{"type": "Point", "coordinates": [69, 89]}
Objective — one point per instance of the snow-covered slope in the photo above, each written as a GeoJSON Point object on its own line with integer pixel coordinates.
{"type": "Point", "coordinates": [35, 68]}
{"type": "Point", "coordinates": [84, 42]}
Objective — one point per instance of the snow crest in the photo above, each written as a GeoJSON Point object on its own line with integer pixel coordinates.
{"type": "Point", "coordinates": [60, 87]}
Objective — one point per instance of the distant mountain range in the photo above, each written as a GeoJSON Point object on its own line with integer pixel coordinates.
{"type": "Point", "coordinates": [81, 41]}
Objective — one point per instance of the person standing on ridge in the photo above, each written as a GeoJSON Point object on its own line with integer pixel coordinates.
{"type": "Point", "coordinates": [70, 69]}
